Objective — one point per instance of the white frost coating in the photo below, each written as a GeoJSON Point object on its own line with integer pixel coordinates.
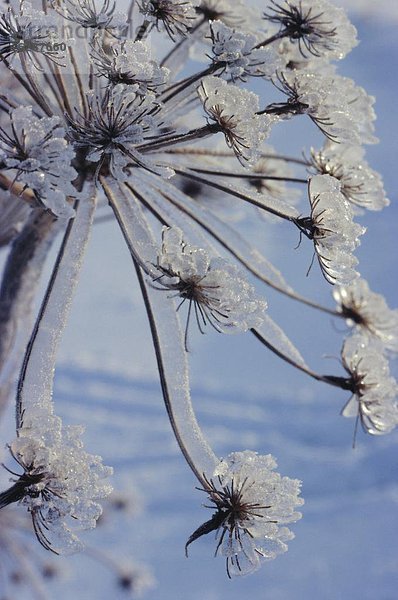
{"type": "Point", "coordinates": [35, 390]}
{"type": "Point", "coordinates": [173, 367]}
{"type": "Point", "coordinates": [272, 333]}
{"type": "Point", "coordinates": [375, 395]}
{"type": "Point", "coordinates": [252, 503]}
{"type": "Point", "coordinates": [368, 312]}
{"type": "Point", "coordinates": [230, 239]}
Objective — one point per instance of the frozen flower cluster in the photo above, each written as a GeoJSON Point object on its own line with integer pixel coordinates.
{"type": "Point", "coordinates": [37, 150]}
{"type": "Point", "coordinates": [218, 293]}
{"type": "Point", "coordinates": [368, 312]}
{"type": "Point", "coordinates": [237, 54]}
{"type": "Point", "coordinates": [235, 110]}
{"type": "Point", "coordinates": [361, 185]}
{"type": "Point", "coordinates": [332, 229]}
{"type": "Point", "coordinates": [148, 117]}
{"type": "Point", "coordinates": [375, 392]}
{"type": "Point", "coordinates": [319, 28]}
{"type": "Point", "coordinates": [61, 483]}
{"type": "Point", "coordinates": [252, 504]}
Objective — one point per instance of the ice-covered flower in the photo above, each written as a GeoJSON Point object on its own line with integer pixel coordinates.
{"type": "Point", "coordinates": [216, 290]}
{"type": "Point", "coordinates": [29, 32]}
{"type": "Point", "coordinates": [91, 14]}
{"type": "Point", "coordinates": [176, 16]}
{"type": "Point", "coordinates": [332, 229]}
{"type": "Point", "coordinates": [375, 392]}
{"type": "Point", "coordinates": [342, 110]}
{"type": "Point", "coordinates": [252, 503]}
{"type": "Point", "coordinates": [369, 312]}
{"type": "Point", "coordinates": [114, 130]}
{"type": "Point", "coordinates": [360, 184]}
{"type": "Point", "coordinates": [130, 63]}
{"type": "Point", "coordinates": [234, 110]}
{"type": "Point", "coordinates": [38, 151]}
{"type": "Point", "coordinates": [61, 483]}
{"type": "Point", "coordinates": [238, 54]}
{"type": "Point", "coordinates": [317, 26]}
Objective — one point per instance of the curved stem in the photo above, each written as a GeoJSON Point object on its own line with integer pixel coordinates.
{"type": "Point", "coordinates": [252, 199]}
{"type": "Point", "coordinates": [251, 176]}
{"type": "Point", "coordinates": [36, 379]}
{"type": "Point", "coordinates": [340, 382]}
{"type": "Point", "coordinates": [173, 372]}
{"type": "Point", "coordinates": [170, 140]}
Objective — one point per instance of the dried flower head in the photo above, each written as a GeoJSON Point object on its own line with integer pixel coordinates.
{"type": "Point", "coordinates": [251, 503]}
{"type": "Point", "coordinates": [91, 15]}
{"type": "Point", "coordinates": [368, 312]}
{"type": "Point", "coordinates": [317, 26]}
{"type": "Point", "coordinates": [375, 393]}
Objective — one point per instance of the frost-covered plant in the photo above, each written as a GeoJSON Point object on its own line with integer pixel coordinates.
{"type": "Point", "coordinates": [132, 113]}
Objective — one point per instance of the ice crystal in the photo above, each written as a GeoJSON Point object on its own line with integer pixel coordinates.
{"type": "Point", "coordinates": [368, 312]}
{"type": "Point", "coordinates": [234, 110]}
{"type": "Point", "coordinates": [61, 483]}
{"type": "Point", "coordinates": [216, 290]}
{"type": "Point", "coordinates": [361, 185]}
{"type": "Point", "coordinates": [36, 148]}
{"type": "Point", "coordinates": [237, 53]}
{"type": "Point", "coordinates": [318, 27]}
{"type": "Point", "coordinates": [252, 504]}
{"type": "Point", "coordinates": [332, 229]}
{"type": "Point", "coordinates": [375, 392]}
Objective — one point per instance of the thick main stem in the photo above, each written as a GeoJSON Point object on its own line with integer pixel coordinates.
{"type": "Point", "coordinates": [21, 278]}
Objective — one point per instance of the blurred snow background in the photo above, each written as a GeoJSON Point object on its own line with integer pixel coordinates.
{"type": "Point", "coordinates": [346, 544]}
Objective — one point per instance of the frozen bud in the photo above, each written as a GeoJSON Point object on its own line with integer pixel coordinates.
{"type": "Point", "coordinates": [216, 290]}
{"type": "Point", "coordinates": [252, 505]}
{"type": "Point", "coordinates": [368, 312]}
{"type": "Point", "coordinates": [361, 185]}
{"type": "Point", "coordinates": [374, 398]}
{"type": "Point", "coordinates": [332, 229]}
{"type": "Point", "coordinates": [234, 110]}
{"type": "Point", "coordinates": [238, 54]}
{"type": "Point", "coordinates": [318, 27]}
